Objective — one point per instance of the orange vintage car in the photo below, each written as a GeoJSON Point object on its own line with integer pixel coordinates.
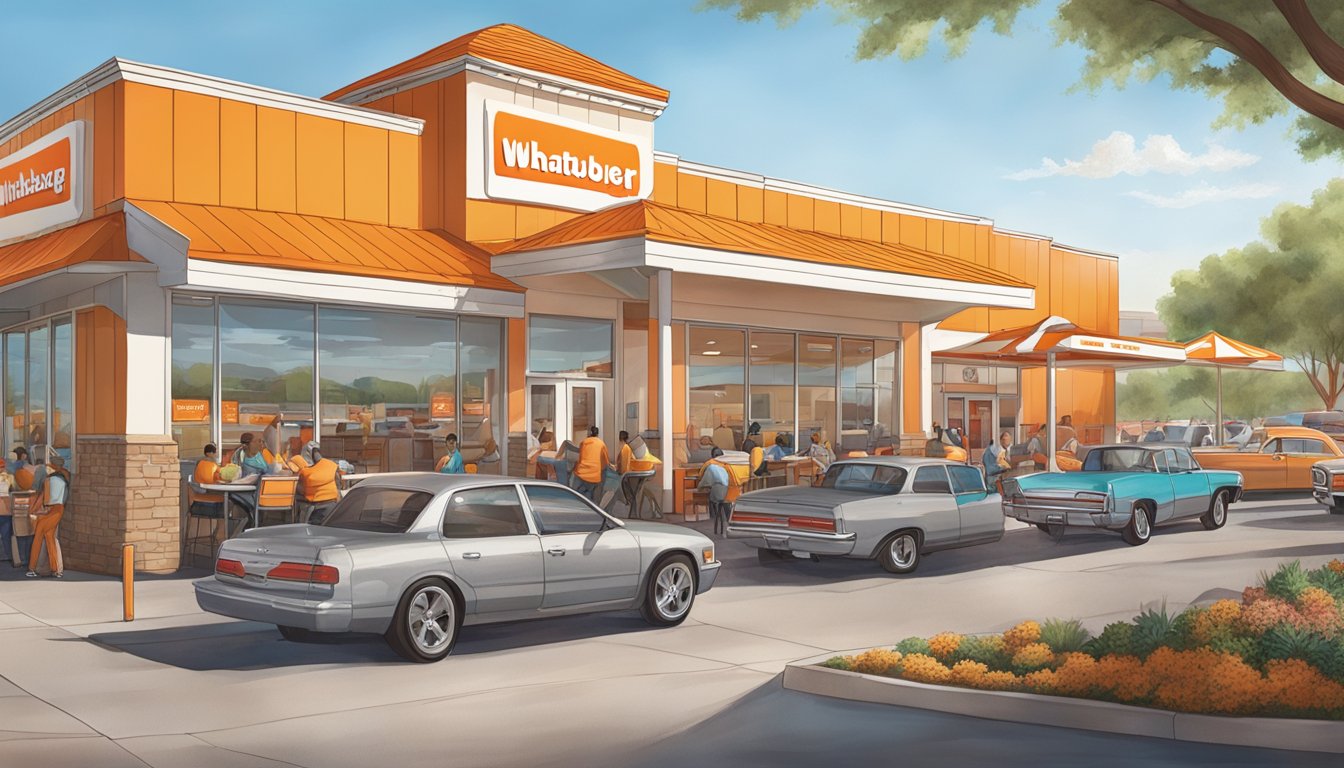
{"type": "Point", "coordinates": [1275, 458]}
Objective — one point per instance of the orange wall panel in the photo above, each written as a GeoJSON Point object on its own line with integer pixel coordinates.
{"type": "Point", "coordinates": [871, 222]}
{"type": "Point", "coordinates": [452, 95]}
{"type": "Point", "coordinates": [195, 148]}
{"type": "Point", "coordinates": [801, 211]}
{"type": "Point", "coordinates": [691, 192]}
{"type": "Point", "coordinates": [319, 155]}
{"type": "Point", "coordinates": [720, 198]}
{"type": "Point", "coordinates": [276, 187]}
{"type": "Point", "coordinates": [678, 387]}
{"type": "Point", "coordinates": [490, 221]}
{"type": "Point", "coordinates": [366, 173]}
{"type": "Point", "coordinates": [403, 180]}
{"type": "Point", "coordinates": [851, 221]}
{"type": "Point", "coordinates": [776, 208]}
{"type": "Point", "coordinates": [149, 142]}
{"type": "Point", "coordinates": [104, 145]}
{"type": "Point", "coordinates": [425, 105]}
{"type": "Point", "coordinates": [826, 217]}
{"type": "Point", "coordinates": [750, 204]}
{"type": "Point", "coordinates": [910, 399]}
{"type": "Point", "coordinates": [237, 154]}
{"type": "Point", "coordinates": [913, 231]}
{"type": "Point", "coordinates": [100, 372]}
{"type": "Point", "coordinates": [891, 227]}
{"type": "Point", "coordinates": [664, 184]}
{"type": "Point", "coordinates": [933, 239]}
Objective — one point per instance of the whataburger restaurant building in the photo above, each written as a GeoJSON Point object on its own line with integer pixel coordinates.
{"type": "Point", "coordinates": [480, 240]}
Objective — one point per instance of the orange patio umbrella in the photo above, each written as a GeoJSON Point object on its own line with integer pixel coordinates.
{"type": "Point", "coordinates": [1059, 342]}
{"type": "Point", "coordinates": [1216, 350]}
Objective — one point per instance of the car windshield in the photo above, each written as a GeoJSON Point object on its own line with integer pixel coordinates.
{"type": "Point", "coordinates": [378, 509]}
{"type": "Point", "coordinates": [1119, 460]}
{"type": "Point", "coordinates": [1174, 433]}
{"type": "Point", "coordinates": [865, 478]}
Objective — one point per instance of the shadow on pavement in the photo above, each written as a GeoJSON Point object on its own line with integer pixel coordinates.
{"type": "Point", "coordinates": [1321, 521]}
{"type": "Point", "coordinates": [774, 728]}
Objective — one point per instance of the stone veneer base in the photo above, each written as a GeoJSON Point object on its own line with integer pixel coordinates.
{"type": "Point", "coordinates": [1084, 714]}
{"type": "Point", "coordinates": [126, 489]}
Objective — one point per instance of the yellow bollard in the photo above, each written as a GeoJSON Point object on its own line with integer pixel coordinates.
{"type": "Point", "coordinates": [128, 582]}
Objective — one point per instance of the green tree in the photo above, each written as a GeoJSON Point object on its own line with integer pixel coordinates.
{"type": "Point", "coordinates": [1188, 393]}
{"type": "Point", "coordinates": [1280, 55]}
{"type": "Point", "coordinates": [1280, 293]}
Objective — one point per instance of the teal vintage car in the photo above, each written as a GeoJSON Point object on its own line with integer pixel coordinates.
{"type": "Point", "coordinates": [1125, 488]}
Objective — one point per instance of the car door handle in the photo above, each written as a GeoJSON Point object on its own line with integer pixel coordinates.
{"type": "Point", "coordinates": [471, 555]}
{"type": "Point", "coordinates": [557, 551]}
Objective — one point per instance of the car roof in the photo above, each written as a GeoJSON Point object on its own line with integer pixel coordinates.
{"type": "Point", "coordinates": [1275, 431]}
{"type": "Point", "coordinates": [900, 461]}
{"type": "Point", "coordinates": [436, 482]}
{"type": "Point", "coordinates": [1140, 446]}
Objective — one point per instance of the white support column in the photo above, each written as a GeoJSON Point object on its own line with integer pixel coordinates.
{"type": "Point", "coordinates": [148, 355]}
{"type": "Point", "coordinates": [661, 291]}
{"type": "Point", "coordinates": [1218, 411]}
{"type": "Point", "coordinates": [926, 377]}
{"type": "Point", "coordinates": [1050, 435]}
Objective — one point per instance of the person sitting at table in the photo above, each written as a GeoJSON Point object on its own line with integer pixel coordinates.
{"type": "Point", "coordinates": [714, 477]}
{"type": "Point", "coordinates": [22, 470]}
{"type": "Point", "coordinates": [19, 461]}
{"type": "Point", "coordinates": [451, 463]}
{"type": "Point", "coordinates": [593, 463]}
{"type": "Point", "coordinates": [626, 454]}
{"type": "Point", "coordinates": [779, 450]}
{"type": "Point", "coordinates": [251, 456]}
{"type": "Point", "coordinates": [52, 494]}
{"type": "Point", "coordinates": [209, 505]}
{"type": "Point", "coordinates": [819, 450]}
{"type": "Point", "coordinates": [296, 456]}
{"type": "Point", "coordinates": [319, 485]}
{"type": "Point", "coordinates": [755, 456]}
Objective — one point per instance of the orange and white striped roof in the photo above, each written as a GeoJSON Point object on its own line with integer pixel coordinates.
{"type": "Point", "coordinates": [1213, 348]}
{"type": "Point", "coordinates": [1072, 346]}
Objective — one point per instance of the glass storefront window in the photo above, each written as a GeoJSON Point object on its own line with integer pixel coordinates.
{"type": "Point", "coordinates": [63, 389]}
{"type": "Point", "coordinates": [716, 364]}
{"type": "Point", "coordinates": [389, 388]}
{"type": "Point", "coordinates": [16, 392]}
{"type": "Point", "coordinates": [266, 372]}
{"type": "Point", "coordinates": [887, 430]}
{"type": "Point", "coordinates": [38, 369]}
{"type": "Point", "coordinates": [193, 374]}
{"type": "Point", "coordinates": [816, 388]}
{"type": "Point", "coordinates": [857, 402]}
{"type": "Point", "coordinates": [770, 403]}
{"type": "Point", "coordinates": [569, 346]}
{"type": "Point", "coordinates": [482, 383]}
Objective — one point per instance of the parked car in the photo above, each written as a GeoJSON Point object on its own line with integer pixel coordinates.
{"type": "Point", "coordinates": [415, 556]}
{"type": "Point", "coordinates": [1329, 422]}
{"type": "Point", "coordinates": [894, 509]}
{"type": "Point", "coordinates": [1180, 433]}
{"type": "Point", "coordinates": [1274, 458]}
{"type": "Point", "coordinates": [1327, 484]}
{"type": "Point", "coordinates": [1128, 488]}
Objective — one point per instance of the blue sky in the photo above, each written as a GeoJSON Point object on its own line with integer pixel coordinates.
{"type": "Point", "coordinates": [790, 103]}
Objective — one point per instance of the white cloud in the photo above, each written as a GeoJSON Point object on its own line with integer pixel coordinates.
{"type": "Point", "coordinates": [1118, 153]}
{"type": "Point", "coordinates": [1206, 193]}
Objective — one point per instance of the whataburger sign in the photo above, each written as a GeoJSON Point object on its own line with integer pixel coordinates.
{"type": "Point", "coordinates": [537, 157]}
{"type": "Point", "coordinates": [42, 185]}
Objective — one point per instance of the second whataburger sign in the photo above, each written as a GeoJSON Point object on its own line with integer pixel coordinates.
{"type": "Point", "coordinates": [534, 157]}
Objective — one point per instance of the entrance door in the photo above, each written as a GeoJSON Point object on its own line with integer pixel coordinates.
{"type": "Point", "coordinates": [979, 424]}
{"type": "Point", "coordinates": [563, 409]}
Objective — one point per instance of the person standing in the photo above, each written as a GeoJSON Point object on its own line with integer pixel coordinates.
{"type": "Point", "coordinates": [6, 519]}
{"type": "Point", "coordinates": [209, 505]}
{"type": "Point", "coordinates": [451, 463]}
{"type": "Point", "coordinates": [593, 461]}
{"type": "Point", "coordinates": [54, 490]}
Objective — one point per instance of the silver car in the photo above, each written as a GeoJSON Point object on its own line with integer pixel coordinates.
{"type": "Point", "coordinates": [415, 556]}
{"type": "Point", "coordinates": [892, 508]}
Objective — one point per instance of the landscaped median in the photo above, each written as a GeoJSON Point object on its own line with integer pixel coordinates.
{"type": "Point", "coordinates": [1267, 670]}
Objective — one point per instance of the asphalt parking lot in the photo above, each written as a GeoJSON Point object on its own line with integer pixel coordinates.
{"type": "Point", "coordinates": [178, 687]}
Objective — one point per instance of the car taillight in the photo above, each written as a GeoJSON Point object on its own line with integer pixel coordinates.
{"type": "Point", "coordinates": [747, 517]}
{"type": "Point", "coordinates": [230, 568]}
{"type": "Point", "coordinates": [314, 574]}
{"type": "Point", "coordinates": [813, 523]}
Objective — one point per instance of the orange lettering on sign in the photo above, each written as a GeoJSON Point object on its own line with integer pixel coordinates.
{"type": "Point", "coordinates": [191, 410]}
{"type": "Point", "coordinates": [1126, 347]}
{"type": "Point", "coordinates": [533, 150]}
{"type": "Point", "coordinates": [229, 411]}
{"type": "Point", "coordinates": [1090, 343]}
{"type": "Point", "coordinates": [37, 181]}
{"type": "Point", "coordinates": [442, 406]}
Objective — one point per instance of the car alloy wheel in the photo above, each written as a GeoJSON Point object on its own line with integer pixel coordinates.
{"type": "Point", "coordinates": [426, 623]}
{"type": "Point", "coordinates": [1216, 517]}
{"type": "Point", "coordinates": [670, 592]}
{"type": "Point", "coordinates": [1140, 527]}
{"type": "Point", "coordinates": [901, 553]}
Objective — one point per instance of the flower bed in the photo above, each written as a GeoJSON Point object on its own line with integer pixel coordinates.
{"type": "Point", "coordinates": [1277, 652]}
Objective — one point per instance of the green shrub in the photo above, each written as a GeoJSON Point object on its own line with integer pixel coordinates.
{"type": "Point", "coordinates": [1285, 641]}
{"type": "Point", "coordinates": [914, 645]}
{"type": "Point", "coordinates": [838, 662]}
{"type": "Point", "coordinates": [1246, 647]}
{"type": "Point", "coordinates": [1286, 582]}
{"type": "Point", "coordinates": [1330, 580]}
{"type": "Point", "coordinates": [1183, 629]}
{"type": "Point", "coordinates": [1152, 629]}
{"type": "Point", "coordinates": [1064, 635]}
{"type": "Point", "coordinates": [988, 650]}
{"type": "Point", "coordinates": [1116, 638]}
{"type": "Point", "coordinates": [1333, 665]}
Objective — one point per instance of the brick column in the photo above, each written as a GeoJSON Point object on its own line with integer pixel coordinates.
{"type": "Point", "coordinates": [517, 454]}
{"type": "Point", "coordinates": [126, 490]}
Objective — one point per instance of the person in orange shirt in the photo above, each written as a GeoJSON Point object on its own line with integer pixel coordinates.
{"type": "Point", "coordinates": [53, 493]}
{"type": "Point", "coordinates": [593, 463]}
{"type": "Point", "coordinates": [208, 504]}
{"type": "Point", "coordinates": [319, 485]}
{"type": "Point", "coordinates": [626, 455]}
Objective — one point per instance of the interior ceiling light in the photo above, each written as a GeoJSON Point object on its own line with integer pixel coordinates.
{"type": "Point", "coordinates": [753, 346]}
{"type": "Point", "coordinates": [711, 342]}
{"type": "Point", "coordinates": [711, 352]}
{"type": "Point", "coordinates": [819, 347]}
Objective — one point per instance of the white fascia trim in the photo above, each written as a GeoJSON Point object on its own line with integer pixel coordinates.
{"type": "Point", "coordinates": [770, 269]}
{"type": "Point", "coordinates": [163, 246]}
{"type": "Point", "coordinates": [940, 339]}
{"type": "Point", "coordinates": [626, 253]}
{"type": "Point", "coordinates": [116, 69]}
{"type": "Point", "coordinates": [1024, 235]}
{"type": "Point", "coordinates": [385, 293]}
{"type": "Point", "coordinates": [516, 75]}
{"type": "Point", "coordinates": [1086, 252]}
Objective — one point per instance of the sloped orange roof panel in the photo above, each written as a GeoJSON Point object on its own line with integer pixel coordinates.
{"type": "Point", "coordinates": [510, 44]}
{"type": "Point", "coordinates": [678, 226]}
{"type": "Point", "coordinates": [100, 239]}
{"type": "Point", "coordinates": [319, 244]}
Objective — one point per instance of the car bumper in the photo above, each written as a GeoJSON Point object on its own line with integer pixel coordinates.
{"type": "Point", "coordinates": [215, 596]}
{"type": "Point", "coordinates": [708, 573]}
{"type": "Point", "coordinates": [1074, 518]}
{"type": "Point", "coordinates": [785, 540]}
{"type": "Point", "coordinates": [1327, 497]}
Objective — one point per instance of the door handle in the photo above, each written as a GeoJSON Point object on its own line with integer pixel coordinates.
{"type": "Point", "coordinates": [1278, 457]}
{"type": "Point", "coordinates": [471, 555]}
{"type": "Point", "coordinates": [557, 551]}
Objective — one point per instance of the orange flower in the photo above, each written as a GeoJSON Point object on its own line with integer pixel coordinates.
{"type": "Point", "coordinates": [924, 669]}
{"type": "Point", "coordinates": [944, 644]}
{"type": "Point", "coordinates": [969, 674]}
{"type": "Point", "coordinates": [1318, 610]}
{"type": "Point", "coordinates": [1021, 636]}
{"type": "Point", "coordinates": [878, 661]}
{"type": "Point", "coordinates": [1041, 681]}
{"type": "Point", "coordinates": [1336, 565]}
{"type": "Point", "coordinates": [1034, 656]}
{"type": "Point", "coordinates": [1124, 677]}
{"type": "Point", "coordinates": [1219, 619]}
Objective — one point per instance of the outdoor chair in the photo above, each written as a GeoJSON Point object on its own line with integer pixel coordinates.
{"type": "Point", "coordinates": [275, 496]}
{"type": "Point", "coordinates": [632, 491]}
{"type": "Point", "coordinates": [196, 517]}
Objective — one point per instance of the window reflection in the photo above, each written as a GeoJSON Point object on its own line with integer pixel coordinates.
{"type": "Point", "coordinates": [38, 366]}
{"type": "Point", "coordinates": [482, 382]}
{"type": "Point", "coordinates": [63, 390]}
{"type": "Point", "coordinates": [772, 374]}
{"type": "Point", "coordinates": [193, 374]}
{"type": "Point", "coordinates": [266, 373]}
{"type": "Point", "coordinates": [717, 373]}
{"type": "Point", "coordinates": [16, 397]}
{"type": "Point", "coordinates": [569, 345]}
{"type": "Point", "coordinates": [858, 402]}
{"type": "Point", "coordinates": [816, 387]}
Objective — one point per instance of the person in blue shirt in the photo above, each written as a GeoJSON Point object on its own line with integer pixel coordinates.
{"type": "Point", "coordinates": [451, 463]}
{"type": "Point", "coordinates": [714, 477]}
{"type": "Point", "coordinates": [778, 451]}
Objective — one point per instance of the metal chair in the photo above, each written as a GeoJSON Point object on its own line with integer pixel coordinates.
{"type": "Point", "coordinates": [632, 492]}
{"type": "Point", "coordinates": [195, 517]}
{"type": "Point", "coordinates": [275, 494]}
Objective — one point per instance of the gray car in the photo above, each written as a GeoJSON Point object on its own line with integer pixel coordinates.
{"type": "Point", "coordinates": [889, 508]}
{"type": "Point", "coordinates": [415, 556]}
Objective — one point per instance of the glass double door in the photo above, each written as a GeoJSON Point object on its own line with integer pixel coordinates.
{"type": "Point", "coordinates": [563, 409]}
{"type": "Point", "coordinates": [39, 388]}
{"type": "Point", "coordinates": [974, 418]}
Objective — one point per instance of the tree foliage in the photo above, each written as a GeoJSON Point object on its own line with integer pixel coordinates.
{"type": "Point", "coordinates": [1281, 53]}
{"type": "Point", "coordinates": [1280, 293]}
{"type": "Point", "coordinates": [1190, 393]}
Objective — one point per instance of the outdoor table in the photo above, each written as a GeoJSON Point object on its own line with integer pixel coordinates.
{"type": "Point", "coordinates": [230, 490]}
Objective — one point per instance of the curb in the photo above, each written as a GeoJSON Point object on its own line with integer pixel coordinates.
{"type": "Point", "coordinates": [1064, 712]}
